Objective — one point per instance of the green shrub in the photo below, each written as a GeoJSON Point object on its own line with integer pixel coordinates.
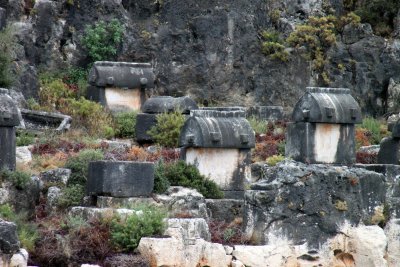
{"type": "Point", "coordinates": [89, 115]}
{"type": "Point", "coordinates": [273, 46]}
{"type": "Point", "coordinates": [53, 93]}
{"type": "Point", "coordinates": [275, 159]}
{"type": "Point", "coordinates": [125, 124]}
{"type": "Point", "coordinates": [168, 128]}
{"type": "Point", "coordinates": [19, 179]}
{"type": "Point", "coordinates": [373, 126]}
{"type": "Point", "coordinates": [161, 183]}
{"type": "Point", "coordinates": [6, 212]}
{"type": "Point", "coordinates": [72, 195]}
{"type": "Point", "coordinates": [6, 46]}
{"type": "Point", "coordinates": [24, 138]}
{"type": "Point", "coordinates": [181, 174]}
{"type": "Point", "coordinates": [79, 165]}
{"type": "Point", "coordinates": [147, 221]}
{"type": "Point", "coordinates": [102, 40]}
{"type": "Point", "coordinates": [259, 126]}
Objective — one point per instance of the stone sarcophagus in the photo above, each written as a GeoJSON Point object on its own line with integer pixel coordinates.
{"type": "Point", "coordinates": [9, 119]}
{"type": "Point", "coordinates": [219, 143]}
{"type": "Point", "coordinates": [389, 152]}
{"type": "Point", "coordinates": [323, 127]}
{"type": "Point", "coordinates": [157, 105]}
{"type": "Point", "coordinates": [120, 86]}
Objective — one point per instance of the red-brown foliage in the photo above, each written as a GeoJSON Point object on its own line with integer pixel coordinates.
{"type": "Point", "coordinates": [366, 157]}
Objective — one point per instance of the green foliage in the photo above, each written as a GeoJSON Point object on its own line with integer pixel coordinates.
{"type": "Point", "coordinates": [379, 13]}
{"type": "Point", "coordinates": [6, 46]}
{"type": "Point", "coordinates": [72, 195]}
{"type": "Point", "coordinates": [25, 138]}
{"type": "Point", "coordinates": [275, 159]}
{"type": "Point", "coordinates": [161, 183]}
{"type": "Point", "coordinates": [27, 232]}
{"type": "Point", "coordinates": [373, 126]}
{"type": "Point", "coordinates": [79, 165]}
{"type": "Point", "coordinates": [147, 221]}
{"type": "Point", "coordinates": [168, 128]}
{"type": "Point", "coordinates": [18, 178]}
{"type": "Point", "coordinates": [259, 126]}
{"type": "Point", "coordinates": [181, 174]}
{"type": "Point", "coordinates": [74, 223]}
{"type": "Point", "coordinates": [125, 124]}
{"type": "Point", "coordinates": [53, 92]}
{"type": "Point", "coordinates": [102, 39]}
{"type": "Point", "coordinates": [273, 46]}
{"type": "Point", "coordinates": [89, 115]}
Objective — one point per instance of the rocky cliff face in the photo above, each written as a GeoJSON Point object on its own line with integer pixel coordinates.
{"type": "Point", "coordinates": [210, 50]}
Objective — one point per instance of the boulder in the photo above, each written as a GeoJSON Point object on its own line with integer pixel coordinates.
{"type": "Point", "coordinates": [23, 155]}
{"type": "Point", "coordinates": [55, 176]}
{"type": "Point", "coordinates": [9, 243]}
{"type": "Point", "coordinates": [19, 259]}
{"type": "Point", "coordinates": [53, 194]}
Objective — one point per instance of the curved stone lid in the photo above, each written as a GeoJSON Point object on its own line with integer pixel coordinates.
{"type": "Point", "coordinates": [217, 129]}
{"type": "Point", "coordinates": [8, 110]}
{"type": "Point", "coordinates": [128, 75]}
{"type": "Point", "coordinates": [327, 105]}
{"type": "Point", "coordinates": [161, 104]}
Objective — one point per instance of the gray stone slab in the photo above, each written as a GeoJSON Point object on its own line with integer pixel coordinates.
{"type": "Point", "coordinates": [267, 113]}
{"type": "Point", "coordinates": [120, 178]}
{"type": "Point", "coordinates": [2, 18]}
{"type": "Point", "coordinates": [144, 122]}
{"type": "Point", "coordinates": [162, 104]}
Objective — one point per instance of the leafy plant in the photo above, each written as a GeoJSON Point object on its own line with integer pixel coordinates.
{"type": "Point", "coordinates": [125, 124]}
{"type": "Point", "coordinates": [161, 183]}
{"type": "Point", "coordinates": [168, 128]}
{"type": "Point", "coordinates": [24, 138]}
{"type": "Point", "coordinates": [373, 126]}
{"type": "Point", "coordinates": [273, 46]}
{"type": "Point", "coordinates": [259, 126]}
{"type": "Point", "coordinates": [275, 159]}
{"type": "Point", "coordinates": [102, 39]}
{"type": "Point", "coordinates": [79, 165]}
{"type": "Point", "coordinates": [147, 221]}
{"type": "Point", "coordinates": [181, 174]}
{"type": "Point", "coordinates": [18, 178]}
{"type": "Point", "coordinates": [72, 195]}
{"type": "Point", "coordinates": [6, 46]}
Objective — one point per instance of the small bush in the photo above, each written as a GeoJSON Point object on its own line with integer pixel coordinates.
{"type": "Point", "coordinates": [53, 93]}
{"type": "Point", "coordinates": [168, 128]}
{"type": "Point", "coordinates": [25, 138]}
{"type": "Point", "coordinates": [79, 165]}
{"type": "Point", "coordinates": [181, 174]}
{"type": "Point", "coordinates": [102, 39]}
{"type": "Point", "coordinates": [161, 183]}
{"type": "Point", "coordinates": [6, 46]}
{"type": "Point", "coordinates": [90, 116]}
{"type": "Point", "coordinates": [126, 234]}
{"type": "Point", "coordinates": [125, 124]}
{"type": "Point", "coordinates": [259, 126]}
{"type": "Point", "coordinates": [273, 46]}
{"type": "Point", "coordinates": [72, 195]}
{"type": "Point", "coordinates": [275, 159]}
{"type": "Point", "coordinates": [373, 126]}
{"type": "Point", "coordinates": [6, 212]}
{"type": "Point", "coordinates": [18, 178]}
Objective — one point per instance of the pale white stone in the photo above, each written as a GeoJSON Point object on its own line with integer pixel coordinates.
{"type": "Point", "coordinates": [23, 155]}
{"type": "Point", "coordinates": [326, 141]}
{"type": "Point", "coordinates": [118, 98]}
{"type": "Point", "coordinates": [228, 250]}
{"type": "Point", "coordinates": [237, 263]}
{"type": "Point", "coordinates": [19, 259]}
{"type": "Point", "coordinates": [392, 231]}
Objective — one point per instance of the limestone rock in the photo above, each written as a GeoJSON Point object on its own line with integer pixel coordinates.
{"type": "Point", "coordinates": [9, 243]}
{"type": "Point", "coordinates": [53, 194]}
{"type": "Point", "coordinates": [23, 155]}
{"type": "Point", "coordinates": [393, 96]}
{"type": "Point", "coordinates": [89, 213]}
{"type": "Point", "coordinates": [55, 176]}
{"type": "Point", "coordinates": [188, 229]}
{"type": "Point", "coordinates": [392, 232]}
{"type": "Point", "coordinates": [19, 259]}
{"type": "Point", "coordinates": [181, 200]}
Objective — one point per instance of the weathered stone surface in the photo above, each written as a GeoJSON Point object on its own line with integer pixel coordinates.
{"type": "Point", "coordinates": [126, 260]}
{"type": "Point", "coordinates": [19, 259]}
{"type": "Point", "coordinates": [321, 142]}
{"type": "Point", "coordinates": [374, 149]}
{"type": "Point", "coordinates": [55, 176]}
{"type": "Point", "coordinates": [109, 202]}
{"type": "Point", "coordinates": [217, 129]}
{"type": "Point", "coordinates": [120, 178]}
{"type": "Point", "coordinates": [190, 250]}
{"type": "Point", "coordinates": [144, 122]}
{"type": "Point", "coordinates": [305, 203]}
{"type": "Point", "coordinates": [389, 152]}
{"type": "Point", "coordinates": [2, 18]}
{"type": "Point", "coordinates": [184, 201]}
{"type": "Point", "coordinates": [392, 232]}
{"type": "Point", "coordinates": [121, 74]}
{"type": "Point", "coordinates": [162, 104]}
{"type": "Point", "coordinates": [89, 213]}
{"type": "Point", "coordinates": [9, 243]}
{"type": "Point", "coordinates": [225, 209]}
{"type": "Point", "coordinates": [41, 120]}
{"type": "Point", "coordinates": [23, 155]}
{"type": "Point", "coordinates": [53, 194]}
{"type": "Point", "coordinates": [327, 105]}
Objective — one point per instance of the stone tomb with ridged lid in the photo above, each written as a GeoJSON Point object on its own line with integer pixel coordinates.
{"type": "Point", "coordinates": [323, 127]}
{"type": "Point", "coordinates": [219, 143]}
{"type": "Point", "coordinates": [120, 86]}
